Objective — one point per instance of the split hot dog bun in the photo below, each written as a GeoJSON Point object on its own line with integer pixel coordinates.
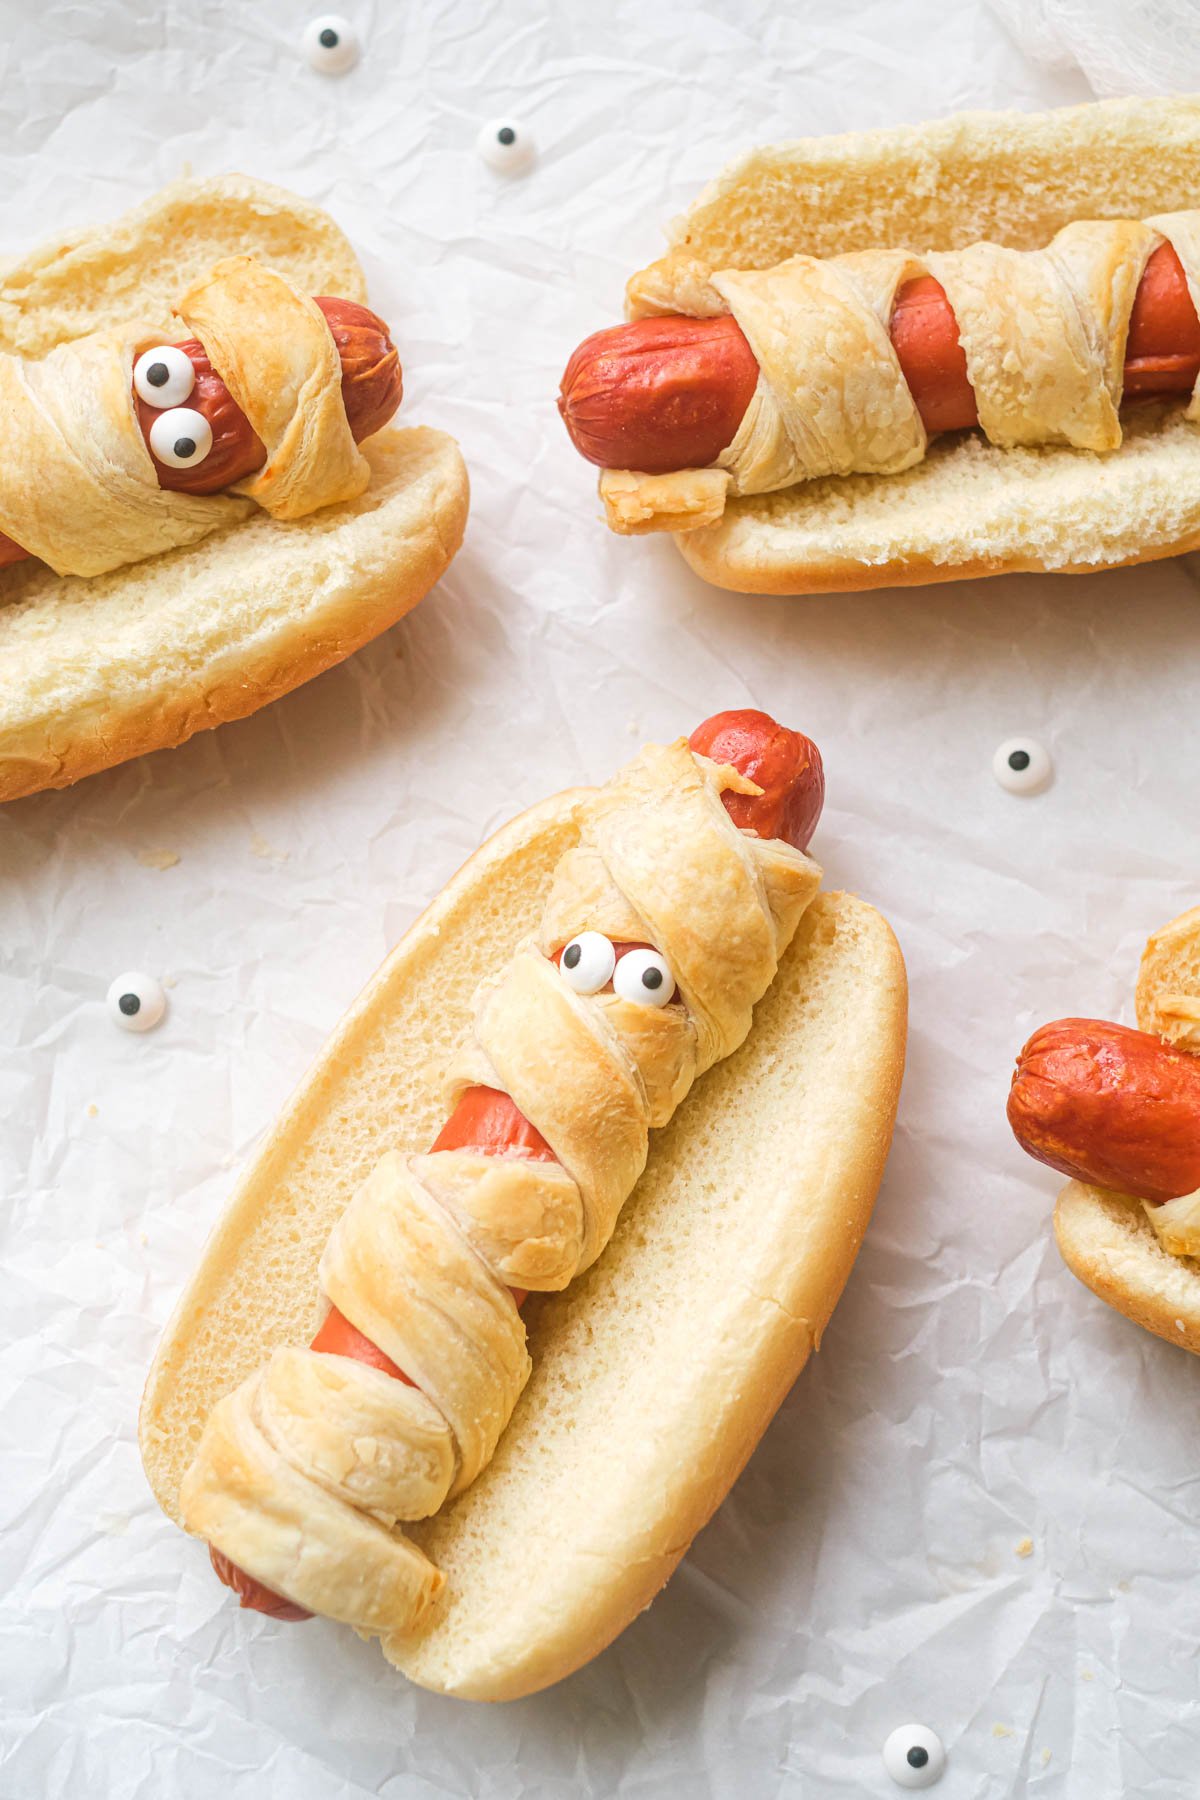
{"type": "Point", "coordinates": [107, 667]}
{"type": "Point", "coordinates": [1106, 1238]}
{"type": "Point", "coordinates": [1109, 1243]}
{"type": "Point", "coordinates": [970, 507]}
{"type": "Point", "coordinates": [656, 1371]}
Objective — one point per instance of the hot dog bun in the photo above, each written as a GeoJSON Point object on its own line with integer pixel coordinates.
{"type": "Point", "coordinates": [1106, 1238]}
{"type": "Point", "coordinates": [1109, 1243]}
{"type": "Point", "coordinates": [657, 1371]}
{"type": "Point", "coordinates": [104, 669]}
{"type": "Point", "coordinates": [969, 508]}
{"type": "Point", "coordinates": [1168, 989]}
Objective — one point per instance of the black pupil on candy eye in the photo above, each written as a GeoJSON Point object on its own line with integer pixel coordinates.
{"type": "Point", "coordinates": [185, 446]}
{"type": "Point", "coordinates": [506, 135]}
{"type": "Point", "coordinates": [652, 978]}
{"type": "Point", "coordinates": [571, 955]}
{"type": "Point", "coordinates": [157, 374]}
{"type": "Point", "coordinates": [1019, 760]}
{"type": "Point", "coordinates": [918, 1756]}
{"type": "Point", "coordinates": [129, 1004]}
{"type": "Point", "coordinates": [329, 38]}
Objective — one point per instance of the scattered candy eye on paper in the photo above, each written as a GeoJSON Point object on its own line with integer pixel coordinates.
{"type": "Point", "coordinates": [1022, 765]}
{"type": "Point", "coordinates": [506, 146]}
{"type": "Point", "coordinates": [136, 1002]}
{"type": "Point", "coordinates": [331, 44]}
{"type": "Point", "coordinates": [914, 1757]}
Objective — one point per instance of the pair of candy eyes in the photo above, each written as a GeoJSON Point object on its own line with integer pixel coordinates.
{"type": "Point", "coordinates": [590, 961]}
{"type": "Point", "coordinates": [164, 378]}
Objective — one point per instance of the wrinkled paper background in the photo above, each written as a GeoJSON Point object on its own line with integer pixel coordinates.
{"type": "Point", "coordinates": [969, 1395]}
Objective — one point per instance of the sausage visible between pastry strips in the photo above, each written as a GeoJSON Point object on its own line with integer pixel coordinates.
{"type": "Point", "coordinates": [666, 394]}
{"type": "Point", "coordinates": [224, 448]}
{"type": "Point", "coordinates": [787, 767]}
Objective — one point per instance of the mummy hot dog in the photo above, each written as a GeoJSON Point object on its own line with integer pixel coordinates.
{"type": "Point", "coordinates": [1118, 1111]}
{"type": "Point", "coordinates": [269, 399]}
{"type": "Point", "coordinates": [851, 363]}
{"type": "Point", "coordinates": [660, 932]}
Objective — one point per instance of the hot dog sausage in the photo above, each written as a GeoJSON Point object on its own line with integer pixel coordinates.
{"type": "Point", "coordinates": [658, 395]}
{"type": "Point", "coordinates": [1111, 1106]}
{"type": "Point", "coordinates": [372, 385]}
{"type": "Point", "coordinates": [627, 404]}
{"type": "Point", "coordinates": [787, 766]}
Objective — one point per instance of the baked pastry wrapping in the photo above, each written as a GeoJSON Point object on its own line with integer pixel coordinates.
{"type": "Point", "coordinates": [1043, 332]}
{"type": "Point", "coordinates": [78, 486]}
{"type": "Point", "coordinates": [422, 1258]}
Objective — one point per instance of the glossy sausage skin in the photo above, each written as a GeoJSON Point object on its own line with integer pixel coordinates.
{"type": "Point", "coordinates": [372, 387]}
{"type": "Point", "coordinates": [658, 395]}
{"type": "Point", "coordinates": [784, 763]}
{"type": "Point", "coordinates": [626, 402]}
{"type": "Point", "coordinates": [1110, 1106]}
{"type": "Point", "coordinates": [787, 766]}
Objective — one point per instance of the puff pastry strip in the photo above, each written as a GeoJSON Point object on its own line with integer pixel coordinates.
{"type": "Point", "coordinates": [78, 486]}
{"type": "Point", "coordinates": [1043, 332]}
{"type": "Point", "coordinates": [421, 1259]}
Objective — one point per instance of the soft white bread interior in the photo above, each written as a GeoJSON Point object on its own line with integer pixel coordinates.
{"type": "Point", "coordinates": [656, 1372]}
{"type": "Point", "coordinates": [970, 508]}
{"type": "Point", "coordinates": [103, 669]}
{"type": "Point", "coordinates": [1168, 989]}
{"type": "Point", "coordinates": [137, 266]}
{"type": "Point", "coordinates": [1109, 1243]}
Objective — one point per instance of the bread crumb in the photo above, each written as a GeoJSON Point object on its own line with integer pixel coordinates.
{"type": "Point", "coordinates": [158, 858]}
{"type": "Point", "coordinates": [1002, 1731]}
{"type": "Point", "coordinates": [145, 1238]}
{"type": "Point", "coordinates": [1088, 1675]}
{"type": "Point", "coordinates": [1045, 1758]}
{"type": "Point", "coordinates": [170, 981]}
{"type": "Point", "coordinates": [1025, 1547]}
{"type": "Point", "coordinates": [260, 847]}
{"type": "Point", "coordinates": [92, 1109]}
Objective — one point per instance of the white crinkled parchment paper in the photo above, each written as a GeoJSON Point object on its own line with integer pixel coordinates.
{"type": "Point", "coordinates": [970, 1398]}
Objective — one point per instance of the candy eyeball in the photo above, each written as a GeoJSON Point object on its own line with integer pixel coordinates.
{"type": "Point", "coordinates": [506, 146]}
{"type": "Point", "coordinates": [644, 976]}
{"type": "Point", "coordinates": [913, 1756]}
{"type": "Point", "coordinates": [181, 438]}
{"type": "Point", "coordinates": [164, 376]}
{"type": "Point", "coordinates": [587, 962]}
{"type": "Point", "coordinates": [1022, 766]}
{"type": "Point", "coordinates": [331, 44]}
{"type": "Point", "coordinates": [136, 1002]}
